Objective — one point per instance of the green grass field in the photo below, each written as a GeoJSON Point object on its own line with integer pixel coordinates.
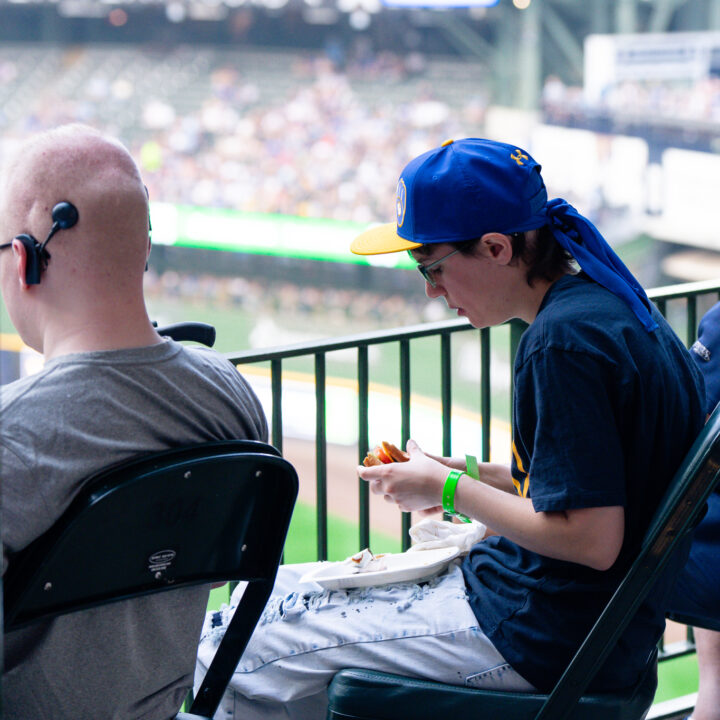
{"type": "Point", "coordinates": [677, 677]}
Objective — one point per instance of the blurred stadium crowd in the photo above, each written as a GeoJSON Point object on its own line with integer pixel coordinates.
{"type": "Point", "coordinates": [307, 133]}
{"type": "Point", "coordinates": [257, 131]}
{"type": "Point", "coordinates": [268, 132]}
{"type": "Point", "coordinates": [680, 101]}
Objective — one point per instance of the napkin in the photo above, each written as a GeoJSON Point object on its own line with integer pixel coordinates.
{"type": "Point", "coordinates": [429, 534]}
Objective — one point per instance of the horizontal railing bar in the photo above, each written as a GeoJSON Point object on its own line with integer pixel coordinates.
{"type": "Point", "coordinates": [674, 292]}
{"type": "Point", "coordinates": [374, 337]}
{"type": "Point", "coordinates": [377, 337]}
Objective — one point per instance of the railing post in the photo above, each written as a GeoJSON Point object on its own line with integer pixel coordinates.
{"type": "Point", "coordinates": [277, 432]}
{"type": "Point", "coordinates": [363, 444]}
{"type": "Point", "coordinates": [276, 384]}
{"type": "Point", "coordinates": [446, 397]}
{"type": "Point", "coordinates": [485, 395]}
{"type": "Point", "coordinates": [446, 392]}
{"type": "Point", "coordinates": [517, 328]}
{"type": "Point", "coordinates": [405, 426]}
{"type": "Point", "coordinates": [321, 456]}
{"type": "Point", "coordinates": [691, 319]}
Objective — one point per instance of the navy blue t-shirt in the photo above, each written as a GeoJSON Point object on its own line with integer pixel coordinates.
{"type": "Point", "coordinates": [604, 413]}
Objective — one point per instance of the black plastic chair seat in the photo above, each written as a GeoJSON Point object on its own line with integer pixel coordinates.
{"type": "Point", "coordinates": [357, 694]}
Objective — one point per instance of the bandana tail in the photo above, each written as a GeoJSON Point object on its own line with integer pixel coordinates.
{"type": "Point", "coordinates": [599, 260]}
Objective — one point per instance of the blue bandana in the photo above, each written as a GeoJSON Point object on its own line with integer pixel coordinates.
{"type": "Point", "coordinates": [597, 258]}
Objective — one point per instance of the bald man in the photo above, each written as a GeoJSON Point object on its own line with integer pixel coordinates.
{"type": "Point", "coordinates": [111, 388]}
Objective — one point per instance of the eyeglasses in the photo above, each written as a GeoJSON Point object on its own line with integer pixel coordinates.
{"type": "Point", "coordinates": [427, 270]}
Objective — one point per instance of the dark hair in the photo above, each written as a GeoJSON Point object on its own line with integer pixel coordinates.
{"type": "Point", "coordinates": [544, 256]}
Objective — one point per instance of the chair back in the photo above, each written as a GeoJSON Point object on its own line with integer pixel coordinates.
{"type": "Point", "coordinates": [681, 508]}
{"type": "Point", "coordinates": [207, 513]}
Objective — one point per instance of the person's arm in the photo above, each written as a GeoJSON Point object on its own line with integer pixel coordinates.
{"type": "Point", "coordinates": [493, 474]}
{"type": "Point", "coordinates": [588, 536]}
{"type": "Point", "coordinates": [497, 476]}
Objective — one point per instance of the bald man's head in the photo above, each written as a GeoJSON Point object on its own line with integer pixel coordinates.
{"type": "Point", "coordinates": [75, 163]}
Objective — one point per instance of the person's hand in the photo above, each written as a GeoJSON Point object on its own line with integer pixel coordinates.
{"type": "Point", "coordinates": [415, 485]}
{"type": "Point", "coordinates": [451, 462]}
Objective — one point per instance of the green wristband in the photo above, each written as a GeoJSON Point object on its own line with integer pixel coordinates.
{"type": "Point", "coordinates": [448, 495]}
{"type": "Point", "coordinates": [472, 467]}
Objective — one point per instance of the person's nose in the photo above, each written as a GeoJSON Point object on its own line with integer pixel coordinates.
{"type": "Point", "coordinates": [434, 292]}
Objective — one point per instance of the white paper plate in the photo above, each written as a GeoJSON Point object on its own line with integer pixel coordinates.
{"type": "Point", "coordinates": [401, 567]}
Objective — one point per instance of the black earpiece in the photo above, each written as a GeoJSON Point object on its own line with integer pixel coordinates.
{"type": "Point", "coordinates": [64, 216]}
{"type": "Point", "coordinates": [33, 261]}
{"type": "Point", "coordinates": [147, 192]}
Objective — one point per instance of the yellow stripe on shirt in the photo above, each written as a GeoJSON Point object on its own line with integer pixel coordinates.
{"type": "Point", "coordinates": [521, 490]}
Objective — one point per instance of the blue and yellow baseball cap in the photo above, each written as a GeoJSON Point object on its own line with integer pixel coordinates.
{"type": "Point", "coordinates": [460, 191]}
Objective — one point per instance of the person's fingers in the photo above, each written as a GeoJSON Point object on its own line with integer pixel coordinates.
{"type": "Point", "coordinates": [376, 487]}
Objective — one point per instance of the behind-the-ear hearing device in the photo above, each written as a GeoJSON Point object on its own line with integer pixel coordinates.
{"type": "Point", "coordinates": [64, 216]}
{"type": "Point", "coordinates": [147, 192]}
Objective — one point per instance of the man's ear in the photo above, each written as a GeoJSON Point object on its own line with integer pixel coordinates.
{"type": "Point", "coordinates": [20, 258]}
{"type": "Point", "coordinates": [497, 248]}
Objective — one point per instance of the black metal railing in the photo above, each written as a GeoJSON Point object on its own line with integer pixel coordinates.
{"type": "Point", "coordinates": [682, 305]}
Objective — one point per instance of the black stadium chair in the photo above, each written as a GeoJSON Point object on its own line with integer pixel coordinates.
{"type": "Point", "coordinates": [206, 513]}
{"type": "Point", "coordinates": [187, 516]}
{"type": "Point", "coordinates": [357, 694]}
{"type": "Point", "coordinates": [193, 331]}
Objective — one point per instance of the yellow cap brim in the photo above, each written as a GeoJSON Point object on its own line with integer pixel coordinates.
{"type": "Point", "coordinates": [381, 239]}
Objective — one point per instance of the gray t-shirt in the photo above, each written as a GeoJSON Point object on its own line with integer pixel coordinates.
{"type": "Point", "coordinates": [82, 412]}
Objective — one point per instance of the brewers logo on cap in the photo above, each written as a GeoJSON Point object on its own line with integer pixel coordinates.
{"type": "Point", "coordinates": [401, 202]}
